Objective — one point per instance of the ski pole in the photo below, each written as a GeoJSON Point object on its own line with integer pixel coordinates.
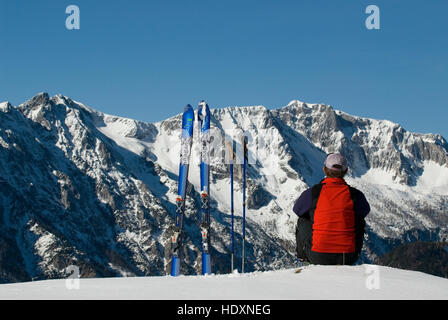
{"type": "Point", "coordinates": [244, 200]}
{"type": "Point", "coordinates": [232, 246]}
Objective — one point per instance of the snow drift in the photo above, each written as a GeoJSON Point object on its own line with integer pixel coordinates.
{"type": "Point", "coordinates": [307, 283]}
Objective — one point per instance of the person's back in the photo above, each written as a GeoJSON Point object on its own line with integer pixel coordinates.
{"type": "Point", "coordinates": [330, 228]}
{"type": "Point", "coordinates": [334, 218]}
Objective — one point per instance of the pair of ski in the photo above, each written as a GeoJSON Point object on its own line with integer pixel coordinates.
{"type": "Point", "coordinates": [186, 145]}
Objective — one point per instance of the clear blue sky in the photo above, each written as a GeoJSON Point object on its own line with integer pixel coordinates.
{"type": "Point", "coordinates": [147, 59]}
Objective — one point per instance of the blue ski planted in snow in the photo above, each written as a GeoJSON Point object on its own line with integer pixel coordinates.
{"type": "Point", "coordinates": [186, 142]}
{"type": "Point", "coordinates": [204, 140]}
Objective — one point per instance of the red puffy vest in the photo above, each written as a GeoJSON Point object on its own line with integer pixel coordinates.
{"type": "Point", "coordinates": [334, 218]}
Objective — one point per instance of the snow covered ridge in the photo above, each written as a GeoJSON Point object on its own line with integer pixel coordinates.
{"type": "Point", "coordinates": [364, 282]}
{"type": "Point", "coordinates": [79, 187]}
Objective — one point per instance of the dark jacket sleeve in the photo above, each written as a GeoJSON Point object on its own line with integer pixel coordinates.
{"type": "Point", "coordinates": [362, 207]}
{"type": "Point", "coordinates": [303, 203]}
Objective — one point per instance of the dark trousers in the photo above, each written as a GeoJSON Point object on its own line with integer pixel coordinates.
{"type": "Point", "coordinates": [304, 239]}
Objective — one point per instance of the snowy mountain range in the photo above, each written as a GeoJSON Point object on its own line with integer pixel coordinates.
{"type": "Point", "coordinates": [79, 187]}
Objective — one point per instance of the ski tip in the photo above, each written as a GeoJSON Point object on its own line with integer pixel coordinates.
{"type": "Point", "coordinates": [203, 104]}
{"type": "Point", "coordinates": [188, 114]}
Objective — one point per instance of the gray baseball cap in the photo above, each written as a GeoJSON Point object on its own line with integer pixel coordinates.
{"type": "Point", "coordinates": [336, 161]}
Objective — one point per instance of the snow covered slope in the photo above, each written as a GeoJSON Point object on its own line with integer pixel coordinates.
{"type": "Point", "coordinates": [79, 187]}
{"type": "Point", "coordinates": [312, 282]}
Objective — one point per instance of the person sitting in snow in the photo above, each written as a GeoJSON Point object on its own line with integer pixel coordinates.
{"type": "Point", "coordinates": [330, 228]}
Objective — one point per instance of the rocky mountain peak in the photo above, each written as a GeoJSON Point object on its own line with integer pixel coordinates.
{"type": "Point", "coordinates": [41, 99]}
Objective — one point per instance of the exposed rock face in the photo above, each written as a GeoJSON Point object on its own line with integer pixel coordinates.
{"type": "Point", "coordinates": [78, 187]}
